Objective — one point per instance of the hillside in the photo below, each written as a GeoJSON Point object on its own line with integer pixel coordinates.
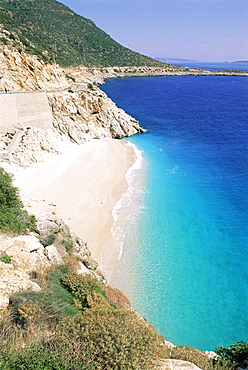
{"type": "Point", "coordinates": [52, 31]}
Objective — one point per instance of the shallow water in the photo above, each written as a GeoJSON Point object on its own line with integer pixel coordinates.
{"type": "Point", "coordinates": [184, 260]}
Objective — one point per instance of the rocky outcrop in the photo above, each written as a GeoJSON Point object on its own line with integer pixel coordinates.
{"type": "Point", "coordinates": [65, 240]}
{"type": "Point", "coordinates": [23, 72]}
{"type": "Point", "coordinates": [27, 255]}
{"type": "Point", "coordinates": [30, 145]}
{"type": "Point", "coordinates": [88, 114]}
{"type": "Point", "coordinates": [76, 115]}
{"type": "Point", "coordinates": [33, 254]}
{"type": "Point", "coordinates": [176, 365]}
{"type": "Point", "coordinates": [84, 76]}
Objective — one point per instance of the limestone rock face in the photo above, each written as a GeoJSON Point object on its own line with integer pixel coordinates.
{"type": "Point", "coordinates": [211, 355]}
{"type": "Point", "coordinates": [76, 116]}
{"type": "Point", "coordinates": [177, 365]}
{"type": "Point", "coordinates": [28, 256]}
{"type": "Point", "coordinates": [33, 145]}
{"type": "Point", "coordinates": [88, 114]}
{"type": "Point", "coordinates": [50, 224]}
{"type": "Point", "coordinates": [53, 255]}
{"type": "Point", "coordinates": [20, 71]}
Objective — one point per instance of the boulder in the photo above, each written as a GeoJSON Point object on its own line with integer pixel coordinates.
{"type": "Point", "coordinates": [53, 255]}
{"type": "Point", "coordinates": [4, 301]}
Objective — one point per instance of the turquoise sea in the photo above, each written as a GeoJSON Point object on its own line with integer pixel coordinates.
{"type": "Point", "coordinates": [185, 255]}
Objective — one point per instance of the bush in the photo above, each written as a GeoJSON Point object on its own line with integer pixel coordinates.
{"type": "Point", "coordinates": [33, 358]}
{"type": "Point", "coordinates": [48, 240]}
{"type": "Point", "coordinates": [5, 259]}
{"type": "Point", "coordinates": [13, 218]}
{"type": "Point", "coordinates": [46, 308]}
{"type": "Point", "coordinates": [3, 40]}
{"type": "Point", "coordinates": [81, 287]}
{"type": "Point", "coordinates": [68, 246]}
{"type": "Point", "coordinates": [70, 78]}
{"type": "Point", "coordinates": [12, 36]}
{"type": "Point", "coordinates": [54, 334]}
{"type": "Point", "coordinates": [191, 354]}
{"type": "Point", "coordinates": [237, 353]}
{"type": "Point", "coordinates": [109, 338]}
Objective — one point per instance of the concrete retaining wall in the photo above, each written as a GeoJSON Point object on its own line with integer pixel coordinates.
{"type": "Point", "coordinates": [19, 110]}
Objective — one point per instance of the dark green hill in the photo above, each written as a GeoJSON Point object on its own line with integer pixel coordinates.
{"type": "Point", "coordinates": [54, 32]}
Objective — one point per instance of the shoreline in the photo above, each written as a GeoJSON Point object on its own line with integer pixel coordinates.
{"type": "Point", "coordinates": [123, 213]}
{"type": "Point", "coordinates": [84, 76]}
{"type": "Point", "coordinates": [85, 186]}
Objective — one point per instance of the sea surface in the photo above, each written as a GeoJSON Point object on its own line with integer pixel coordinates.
{"type": "Point", "coordinates": [184, 261]}
{"type": "Point", "coordinates": [211, 66]}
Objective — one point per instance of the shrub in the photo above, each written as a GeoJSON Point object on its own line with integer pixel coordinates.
{"type": "Point", "coordinates": [68, 246]}
{"type": "Point", "coordinates": [237, 353]}
{"type": "Point", "coordinates": [49, 240]}
{"type": "Point", "coordinates": [12, 36]}
{"type": "Point", "coordinates": [46, 308]}
{"type": "Point", "coordinates": [5, 259]}
{"type": "Point", "coordinates": [81, 287]}
{"type": "Point", "coordinates": [197, 357]}
{"type": "Point", "coordinates": [70, 78]}
{"type": "Point", "coordinates": [12, 215]}
{"type": "Point", "coordinates": [4, 40]}
{"type": "Point", "coordinates": [35, 357]}
{"type": "Point", "coordinates": [109, 338]}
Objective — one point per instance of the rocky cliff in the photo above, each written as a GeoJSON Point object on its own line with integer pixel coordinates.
{"type": "Point", "coordinates": [23, 72]}
{"type": "Point", "coordinates": [35, 253]}
{"type": "Point", "coordinates": [90, 114]}
{"type": "Point", "coordinates": [77, 115]}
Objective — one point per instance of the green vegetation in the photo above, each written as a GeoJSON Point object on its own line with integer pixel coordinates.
{"type": "Point", "coordinates": [237, 353]}
{"type": "Point", "coordinates": [70, 78]}
{"type": "Point", "coordinates": [5, 258]}
{"type": "Point", "coordinates": [34, 358]}
{"type": "Point", "coordinates": [55, 33]}
{"type": "Point", "coordinates": [187, 353]}
{"type": "Point", "coordinates": [49, 240]}
{"type": "Point", "coordinates": [13, 218]}
{"type": "Point", "coordinates": [46, 308]}
{"type": "Point", "coordinates": [68, 246]}
{"type": "Point", "coordinates": [71, 325]}
{"type": "Point", "coordinates": [82, 289]}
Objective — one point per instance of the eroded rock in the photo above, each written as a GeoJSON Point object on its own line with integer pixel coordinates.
{"type": "Point", "coordinates": [176, 365]}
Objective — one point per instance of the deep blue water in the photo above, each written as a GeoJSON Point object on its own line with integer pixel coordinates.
{"type": "Point", "coordinates": [186, 252]}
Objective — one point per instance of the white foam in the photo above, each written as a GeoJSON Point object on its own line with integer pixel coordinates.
{"type": "Point", "coordinates": [170, 172]}
{"type": "Point", "coordinates": [130, 204]}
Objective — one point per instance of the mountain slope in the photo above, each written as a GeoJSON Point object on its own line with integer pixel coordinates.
{"type": "Point", "coordinates": [54, 32]}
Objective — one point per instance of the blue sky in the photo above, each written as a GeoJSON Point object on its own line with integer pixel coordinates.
{"type": "Point", "coordinates": [206, 30]}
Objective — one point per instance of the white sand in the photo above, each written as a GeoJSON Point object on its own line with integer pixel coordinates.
{"type": "Point", "coordinates": [81, 186]}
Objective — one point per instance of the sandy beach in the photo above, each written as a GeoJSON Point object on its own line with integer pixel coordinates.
{"type": "Point", "coordinates": [82, 186]}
